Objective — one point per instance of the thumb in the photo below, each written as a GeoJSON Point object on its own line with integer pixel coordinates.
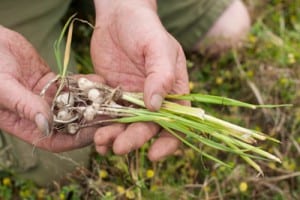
{"type": "Point", "coordinates": [160, 63]}
{"type": "Point", "coordinates": [18, 99]}
{"type": "Point", "coordinates": [159, 81]}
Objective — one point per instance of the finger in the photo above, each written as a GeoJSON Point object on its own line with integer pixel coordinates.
{"type": "Point", "coordinates": [106, 135]}
{"type": "Point", "coordinates": [181, 85]}
{"type": "Point", "coordinates": [102, 150]}
{"type": "Point", "coordinates": [58, 142]}
{"type": "Point", "coordinates": [25, 103]}
{"type": "Point", "coordinates": [134, 137]}
{"type": "Point", "coordinates": [164, 146]}
{"type": "Point", "coordinates": [91, 77]}
{"type": "Point", "coordinates": [160, 62]}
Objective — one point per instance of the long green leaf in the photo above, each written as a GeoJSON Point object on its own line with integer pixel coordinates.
{"type": "Point", "coordinates": [248, 160]}
{"type": "Point", "coordinates": [204, 98]}
{"type": "Point", "coordinates": [57, 45]}
{"type": "Point", "coordinates": [165, 126]}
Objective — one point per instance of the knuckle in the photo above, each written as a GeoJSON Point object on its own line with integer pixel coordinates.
{"type": "Point", "coordinates": [100, 138]}
{"type": "Point", "coordinates": [169, 77]}
{"type": "Point", "coordinates": [19, 107]}
{"type": "Point", "coordinates": [22, 109]}
{"type": "Point", "coordinates": [168, 81]}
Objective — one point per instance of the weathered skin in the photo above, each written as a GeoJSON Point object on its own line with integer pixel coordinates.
{"type": "Point", "coordinates": [23, 112]}
{"type": "Point", "coordinates": [131, 48]}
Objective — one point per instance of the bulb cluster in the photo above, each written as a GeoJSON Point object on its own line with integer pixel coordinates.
{"type": "Point", "coordinates": [81, 103]}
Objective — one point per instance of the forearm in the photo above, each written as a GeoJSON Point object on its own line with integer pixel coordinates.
{"type": "Point", "coordinates": [101, 6]}
{"type": "Point", "coordinates": [3, 34]}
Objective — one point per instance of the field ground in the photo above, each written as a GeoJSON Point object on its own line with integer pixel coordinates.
{"type": "Point", "coordinates": [266, 69]}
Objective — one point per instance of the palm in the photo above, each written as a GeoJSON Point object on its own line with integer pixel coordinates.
{"type": "Point", "coordinates": [116, 65]}
{"type": "Point", "coordinates": [124, 52]}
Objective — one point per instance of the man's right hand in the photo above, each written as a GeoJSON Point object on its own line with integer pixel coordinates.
{"type": "Point", "coordinates": [131, 48]}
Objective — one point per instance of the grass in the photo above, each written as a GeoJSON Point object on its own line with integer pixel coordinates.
{"type": "Point", "coordinates": [266, 69]}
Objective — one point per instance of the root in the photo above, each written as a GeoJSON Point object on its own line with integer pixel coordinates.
{"type": "Point", "coordinates": [78, 103]}
{"type": "Point", "coordinates": [35, 142]}
{"type": "Point", "coordinates": [44, 90]}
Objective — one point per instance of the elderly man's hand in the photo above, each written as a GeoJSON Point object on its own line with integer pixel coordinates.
{"type": "Point", "coordinates": [131, 48]}
{"type": "Point", "coordinates": [23, 112]}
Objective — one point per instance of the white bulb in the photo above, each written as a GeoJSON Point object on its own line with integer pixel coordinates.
{"type": "Point", "coordinates": [89, 113]}
{"type": "Point", "coordinates": [96, 105]}
{"type": "Point", "coordinates": [94, 95]}
{"type": "Point", "coordinates": [64, 115]}
{"type": "Point", "coordinates": [73, 128]}
{"type": "Point", "coordinates": [85, 84]}
{"type": "Point", "coordinates": [64, 99]}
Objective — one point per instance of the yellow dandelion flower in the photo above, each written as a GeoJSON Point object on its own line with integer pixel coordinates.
{"type": "Point", "coordinates": [189, 64]}
{"type": "Point", "coordinates": [283, 81]}
{"type": "Point", "coordinates": [25, 193]}
{"type": "Point", "coordinates": [62, 196]}
{"type": "Point", "coordinates": [6, 181]}
{"type": "Point", "coordinates": [252, 39]}
{"type": "Point", "coordinates": [219, 80]}
{"type": "Point", "coordinates": [207, 188]}
{"type": "Point", "coordinates": [108, 194]}
{"type": "Point", "coordinates": [258, 128]}
{"type": "Point", "coordinates": [243, 186]}
{"type": "Point", "coordinates": [292, 166]}
{"type": "Point", "coordinates": [227, 74]}
{"type": "Point", "coordinates": [120, 189]}
{"type": "Point", "coordinates": [191, 85]}
{"type": "Point", "coordinates": [213, 173]}
{"type": "Point", "coordinates": [192, 172]}
{"type": "Point", "coordinates": [250, 73]}
{"type": "Point", "coordinates": [189, 154]}
{"type": "Point", "coordinates": [150, 173]}
{"type": "Point", "coordinates": [41, 193]}
{"type": "Point", "coordinates": [289, 165]}
{"type": "Point", "coordinates": [102, 173]}
{"type": "Point", "coordinates": [272, 165]}
{"type": "Point", "coordinates": [153, 188]}
{"type": "Point", "coordinates": [291, 58]}
{"type": "Point", "coordinates": [130, 194]}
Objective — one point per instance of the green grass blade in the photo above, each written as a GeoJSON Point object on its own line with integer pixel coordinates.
{"type": "Point", "coordinates": [248, 160]}
{"type": "Point", "coordinates": [67, 49]}
{"type": "Point", "coordinates": [204, 98]}
{"type": "Point", "coordinates": [249, 147]}
{"type": "Point", "coordinates": [177, 126]}
{"type": "Point", "coordinates": [165, 126]}
{"type": "Point", "coordinates": [190, 134]}
{"type": "Point", "coordinates": [180, 125]}
{"type": "Point", "coordinates": [191, 122]}
{"type": "Point", "coordinates": [244, 134]}
{"type": "Point", "coordinates": [57, 54]}
{"type": "Point", "coordinates": [57, 45]}
{"type": "Point", "coordinates": [197, 113]}
{"type": "Point", "coordinates": [243, 131]}
{"type": "Point", "coordinates": [136, 99]}
{"type": "Point", "coordinates": [183, 110]}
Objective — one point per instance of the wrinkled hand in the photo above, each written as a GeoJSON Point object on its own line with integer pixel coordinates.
{"type": "Point", "coordinates": [130, 48]}
{"type": "Point", "coordinates": [23, 112]}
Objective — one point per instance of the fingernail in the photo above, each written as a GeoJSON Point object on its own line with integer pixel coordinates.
{"type": "Point", "coordinates": [42, 124]}
{"type": "Point", "coordinates": [156, 101]}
